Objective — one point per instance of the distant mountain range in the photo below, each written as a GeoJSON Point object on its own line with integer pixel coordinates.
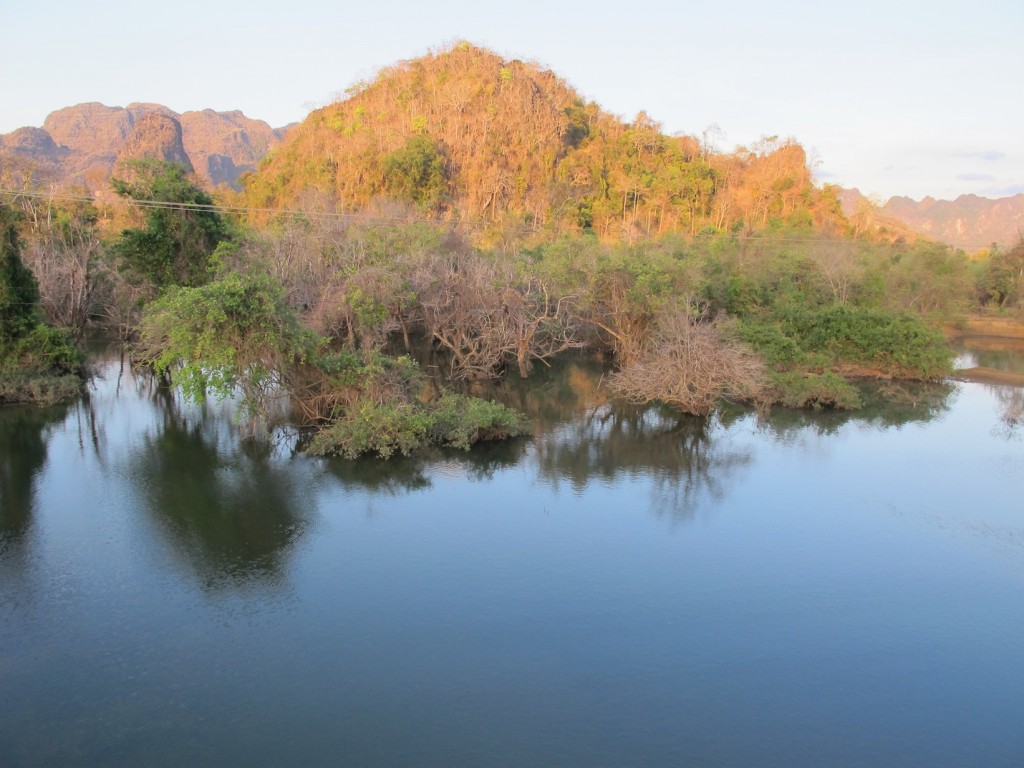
{"type": "Point", "coordinates": [84, 144]}
{"type": "Point", "coordinates": [969, 222]}
{"type": "Point", "coordinates": [464, 132]}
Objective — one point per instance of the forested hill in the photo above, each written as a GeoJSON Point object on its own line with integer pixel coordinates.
{"type": "Point", "coordinates": [466, 134]}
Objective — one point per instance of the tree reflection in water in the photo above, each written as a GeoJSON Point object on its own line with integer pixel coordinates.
{"type": "Point", "coordinates": [1011, 409]}
{"type": "Point", "coordinates": [885, 404]}
{"type": "Point", "coordinates": [680, 454]}
{"type": "Point", "coordinates": [234, 510]}
{"type": "Point", "coordinates": [23, 447]}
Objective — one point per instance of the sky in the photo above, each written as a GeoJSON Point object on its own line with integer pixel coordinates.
{"type": "Point", "coordinates": [895, 98]}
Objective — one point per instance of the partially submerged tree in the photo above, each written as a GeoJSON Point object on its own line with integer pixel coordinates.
{"type": "Point", "coordinates": [238, 335]}
{"type": "Point", "coordinates": [689, 362]}
{"type": "Point", "coordinates": [486, 316]}
{"type": "Point", "coordinates": [234, 334]}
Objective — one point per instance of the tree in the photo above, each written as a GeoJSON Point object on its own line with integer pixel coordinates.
{"type": "Point", "coordinates": [689, 363]}
{"type": "Point", "coordinates": [416, 172]}
{"type": "Point", "coordinates": [181, 226]}
{"type": "Point", "coordinates": [1002, 282]}
{"type": "Point", "coordinates": [486, 316]}
{"type": "Point", "coordinates": [236, 333]}
{"type": "Point", "coordinates": [19, 292]}
{"type": "Point", "coordinates": [37, 362]}
{"type": "Point", "coordinates": [63, 250]}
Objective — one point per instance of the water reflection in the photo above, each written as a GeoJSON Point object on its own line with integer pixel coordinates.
{"type": "Point", "coordinates": [23, 450]}
{"type": "Point", "coordinates": [1011, 409]}
{"type": "Point", "coordinates": [233, 510]}
{"type": "Point", "coordinates": [407, 474]}
{"type": "Point", "coordinates": [1001, 354]}
{"type": "Point", "coordinates": [885, 404]}
{"type": "Point", "coordinates": [681, 454]}
{"type": "Point", "coordinates": [581, 436]}
{"type": "Point", "coordinates": [399, 475]}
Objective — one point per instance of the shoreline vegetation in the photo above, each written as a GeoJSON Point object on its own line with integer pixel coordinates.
{"type": "Point", "coordinates": [39, 363]}
{"type": "Point", "coordinates": [698, 277]}
{"type": "Point", "coordinates": [326, 314]}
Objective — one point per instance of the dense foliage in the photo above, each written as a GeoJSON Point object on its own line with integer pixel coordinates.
{"type": "Point", "coordinates": [38, 363]}
{"type": "Point", "coordinates": [180, 228]}
{"type": "Point", "coordinates": [232, 334]}
{"type": "Point", "coordinates": [1001, 283]}
{"type": "Point", "coordinates": [454, 420]}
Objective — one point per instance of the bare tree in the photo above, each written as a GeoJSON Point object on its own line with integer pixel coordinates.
{"type": "Point", "coordinates": [689, 363]}
{"type": "Point", "coordinates": [841, 267]}
{"type": "Point", "coordinates": [486, 316]}
{"type": "Point", "coordinates": [63, 250]}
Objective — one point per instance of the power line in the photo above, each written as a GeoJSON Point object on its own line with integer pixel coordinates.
{"type": "Point", "coordinates": [183, 206]}
{"type": "Point", "coordinates": [334, 216]}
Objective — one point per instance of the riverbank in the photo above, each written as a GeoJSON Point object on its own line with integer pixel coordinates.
{"type": "Point", "coordinates": [983, 326]}
{"type": "Point", "coordinates": [983, 375]}
{"type": "Point", "coordinates": [993, 335]}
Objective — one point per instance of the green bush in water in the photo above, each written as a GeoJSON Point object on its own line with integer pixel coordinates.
{"type": "Point", "coordinates": [455, 420]}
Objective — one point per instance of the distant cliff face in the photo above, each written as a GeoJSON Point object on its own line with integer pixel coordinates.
{"type": "Point", "coordinates": [969, 222]}
{"type": "Point", "coordinates": [224, 145]}
{"type": "Point", "coordinates": [85, 144]}
{"type": "Point", "coordinates": [154, 135]}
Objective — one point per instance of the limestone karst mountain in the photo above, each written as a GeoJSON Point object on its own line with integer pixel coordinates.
{"type": "Point", "coordinates": [969, 222]}
{"type": "Point", "coordinates": [82, 145]}
{"type": "Point", "coordinates": [463, 133]}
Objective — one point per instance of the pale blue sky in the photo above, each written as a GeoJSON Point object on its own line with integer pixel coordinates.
{"type": "Point", "coordinates": [896, 97]}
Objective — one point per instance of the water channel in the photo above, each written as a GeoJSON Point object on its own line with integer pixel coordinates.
{"type": "Point", "coordinates": [627, 587]}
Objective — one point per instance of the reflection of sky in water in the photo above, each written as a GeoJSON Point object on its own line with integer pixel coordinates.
{"type": "Point", "coordinates": [628, 588]}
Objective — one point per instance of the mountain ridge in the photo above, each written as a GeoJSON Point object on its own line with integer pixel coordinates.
{"type": "Point", "coordinates": [81, 145]}
{"type": "Point", "coordinates": [465, 132]}
{"type": "Point", "coordinates": [969, 221]}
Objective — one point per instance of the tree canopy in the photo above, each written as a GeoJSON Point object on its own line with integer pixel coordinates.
{"type": "Point", "coordinates": [180, 228]}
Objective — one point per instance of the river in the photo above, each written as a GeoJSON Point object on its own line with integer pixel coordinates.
{"type": "Point", "coordinates": [624, 588]}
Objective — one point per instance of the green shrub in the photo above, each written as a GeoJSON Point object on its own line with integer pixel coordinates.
{"type": "Point", "coordinates": [371, 427]}
{"type": "Point", "coordinates": [838, 335]}
{"type": "Point", "coordinates": [383, 429]}
{"type": "Point", "coordinates": [796, 389]}
{"type": "Point", "coordinates": [459, 421]}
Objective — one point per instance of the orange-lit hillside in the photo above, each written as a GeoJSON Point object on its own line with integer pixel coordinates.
{"type": "Point", "coordinates": [468, 135]}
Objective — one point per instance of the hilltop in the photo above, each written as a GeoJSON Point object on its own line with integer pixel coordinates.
{"type": "Point", "coordinates": [466, 134]}
{"type": "Point", "coordinates": [969, 221]}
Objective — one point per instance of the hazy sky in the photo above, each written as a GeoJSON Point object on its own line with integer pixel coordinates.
{"type": "Point", "coordinates": [895, 97]}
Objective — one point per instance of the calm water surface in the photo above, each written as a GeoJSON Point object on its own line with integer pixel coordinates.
{"type": "Point", "coordinates": [627, 588]}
